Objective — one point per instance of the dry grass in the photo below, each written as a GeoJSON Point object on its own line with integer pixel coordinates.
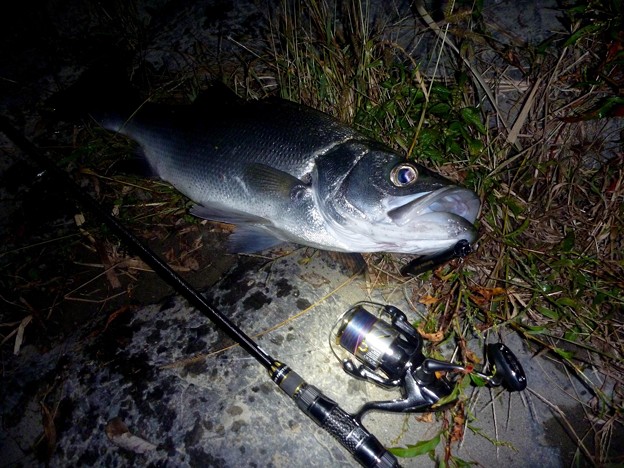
{"type": "Point", "coordinates": [550, 259]}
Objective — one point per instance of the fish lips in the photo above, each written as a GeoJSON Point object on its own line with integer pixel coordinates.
{"type": "Point", "coordinates": [446, 213]}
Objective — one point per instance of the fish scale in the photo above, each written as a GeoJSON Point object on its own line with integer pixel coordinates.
{"type": "Point", "coordinates": [284, 136]}
{"type": "Point", "coordinates": [285, 172]}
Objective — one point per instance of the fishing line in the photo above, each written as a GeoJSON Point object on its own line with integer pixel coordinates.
{"type": "Point", "coordinates": [355, 330]}
{"type": "Point", "coordinates": [344, 427]}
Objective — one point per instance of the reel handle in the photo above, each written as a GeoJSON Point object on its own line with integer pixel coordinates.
{"type": "Point", "coordinates": [509, 371]}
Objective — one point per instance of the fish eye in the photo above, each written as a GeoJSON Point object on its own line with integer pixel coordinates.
{"type": "Point", "coordinates": [403, 175]}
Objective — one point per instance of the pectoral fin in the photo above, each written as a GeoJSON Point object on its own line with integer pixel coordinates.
{"type": "Point", "coordinates": [274, 183]}
{"type": "Point", "coordinates": [283, 193]}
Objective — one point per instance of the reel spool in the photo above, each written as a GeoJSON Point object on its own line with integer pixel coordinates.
{"type": "Point", "coordinates": [390, 355]}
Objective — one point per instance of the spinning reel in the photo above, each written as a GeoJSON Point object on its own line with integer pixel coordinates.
{"type": "Point", "coordinates": [391, 356]}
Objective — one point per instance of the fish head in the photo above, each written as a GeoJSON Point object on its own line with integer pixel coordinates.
{"type": "Point", "coordinates": [379, 201]}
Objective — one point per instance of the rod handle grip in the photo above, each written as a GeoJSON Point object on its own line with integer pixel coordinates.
{"type": "Point", "coordinates": [351, 434]}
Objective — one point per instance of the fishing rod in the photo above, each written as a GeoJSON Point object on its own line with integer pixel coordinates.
{"type": "Point", "coordinates": [344, 427]}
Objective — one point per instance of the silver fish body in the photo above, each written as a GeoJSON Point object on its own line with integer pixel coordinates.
{"type": "Point", "coordinates": [284, 172]}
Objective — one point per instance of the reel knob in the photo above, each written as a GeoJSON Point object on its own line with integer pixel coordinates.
{"type": "Point", "coordinates": [508, 368]}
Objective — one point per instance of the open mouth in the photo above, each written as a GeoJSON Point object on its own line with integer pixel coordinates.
{"type": "Point", "coordinates": [450, 201]}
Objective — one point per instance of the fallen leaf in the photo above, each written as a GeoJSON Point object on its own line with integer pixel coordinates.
{"type": "Point", "coordinates": [79, 219]}
{"type": "Point", "coordinates": [425, 418]}
{"type": "Point", "coordinates": [49, 431]}
{"type": "Point", "coordinates": [458, 426]}
{"type": "Point", "coordinates": [428, 300]}
{"type": "Point", "coordinates": [489, 293]}
{"type": "Point", "coordinates": [119, 434]}
{"type": "Point", "coordinates": [472, 357]}
{"type": "Point", "coordinates": [123, 309]}
{"type": "Point", "coordinates": [191, 264]}
{"type": "Point", "coordinates": [19, 337]}
{"type": "Point", "coordinates": [483, 295]}
{"type": "Point", "coordinates": [433, 337]}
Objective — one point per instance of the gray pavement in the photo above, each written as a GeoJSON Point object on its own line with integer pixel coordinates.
{"type": "Point", "coordinates": [224, 410]}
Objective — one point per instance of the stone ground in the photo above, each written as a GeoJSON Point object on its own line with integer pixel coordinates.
{"type": "Point", "coordinates": [223, 410]}
{"type": "Point", "coordinates": [61, 399]}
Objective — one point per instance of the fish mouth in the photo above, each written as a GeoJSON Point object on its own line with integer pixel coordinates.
{"type": "Point", "coordinates": [446, 213]}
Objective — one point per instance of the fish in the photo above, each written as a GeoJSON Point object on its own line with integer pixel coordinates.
{"type": "Point", "coordinates": [283, 172]}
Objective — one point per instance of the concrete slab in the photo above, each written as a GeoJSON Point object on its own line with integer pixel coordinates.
{"type": "Point", "coordinates": [221, 409]}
